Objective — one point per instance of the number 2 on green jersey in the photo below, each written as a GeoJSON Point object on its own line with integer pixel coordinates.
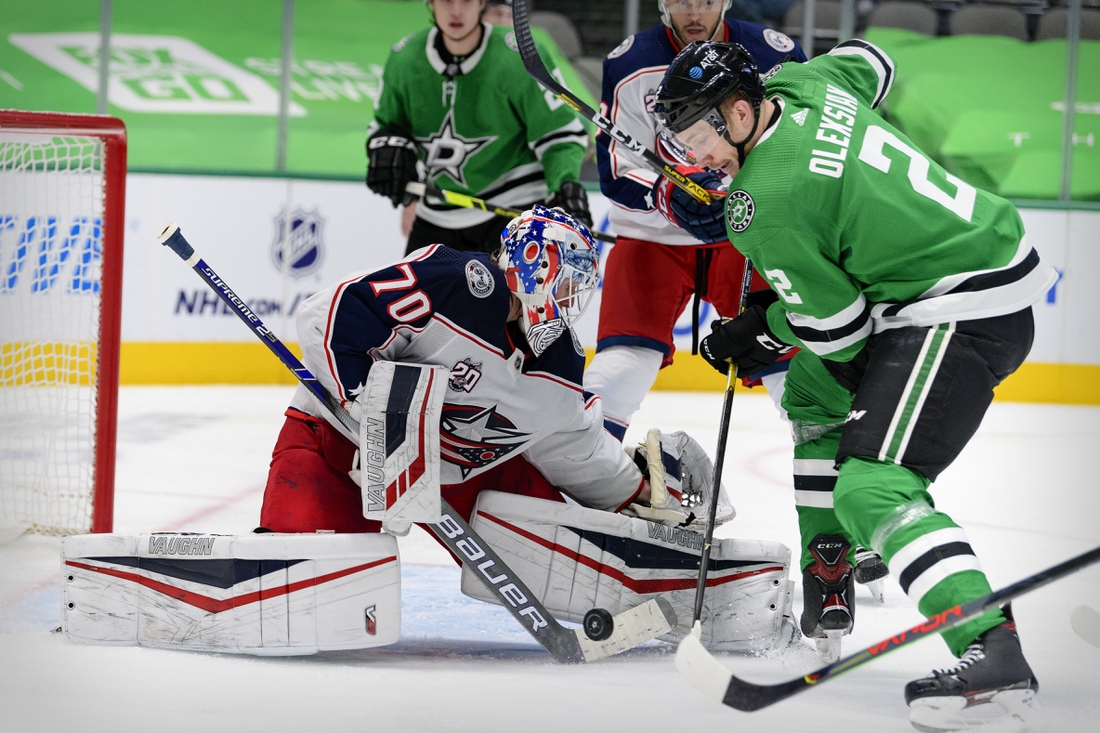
{"type": "Point", "coordinates": [962, 203]}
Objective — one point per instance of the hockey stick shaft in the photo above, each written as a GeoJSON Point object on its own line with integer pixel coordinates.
{"type": "Point", "coordinates": [565, 645]}
{"type": "Point", "coordinates": [708, 675]}
{"type": "Point", "coordinates": [537, 69]}
{"type": "Point", "coordinates": [719, 461]}
{"type": "Point", "coordinates": [472, 202]}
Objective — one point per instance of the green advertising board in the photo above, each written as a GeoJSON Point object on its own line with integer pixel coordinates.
{"type": "Point", "coordinates": [197, 82]}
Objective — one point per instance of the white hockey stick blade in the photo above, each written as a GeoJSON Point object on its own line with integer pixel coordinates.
{"type": "Point", "coordinates": [637, 626]}
{"type": "Point", "coordinates": [699, 668]}
{"type": "Point", "coordinates": [1086, 622]}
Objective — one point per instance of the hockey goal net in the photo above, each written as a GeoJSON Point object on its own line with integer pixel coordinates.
{"type": "Point", "coordinates": [62, 191]}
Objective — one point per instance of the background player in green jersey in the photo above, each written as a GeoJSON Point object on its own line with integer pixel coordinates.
{"type": "Point", "coordinates": [909, 292]}
{"type": "Point", "coordinates": [456, 99]}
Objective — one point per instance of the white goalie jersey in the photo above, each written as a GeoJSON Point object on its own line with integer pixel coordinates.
{"type": "Point", "coordinates": [448, 308]}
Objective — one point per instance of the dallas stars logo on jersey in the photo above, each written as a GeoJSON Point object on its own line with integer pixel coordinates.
{"type": "Point", "coordinates": [448, 152]}
{"type": "Point", "coordinates": [739, 210]}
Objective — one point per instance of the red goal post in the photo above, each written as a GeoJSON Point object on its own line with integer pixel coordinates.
{"type": "Point", "coordinates": [62, 211]}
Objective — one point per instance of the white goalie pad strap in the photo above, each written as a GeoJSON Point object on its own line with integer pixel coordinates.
{"type": "Point", "coordinates": [575, 559]}
{"type": "Point", "coordinates": [268, 594]}
{"type": "Point", "coordinates": [399, 411]}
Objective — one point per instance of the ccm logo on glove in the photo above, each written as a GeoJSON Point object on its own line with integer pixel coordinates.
{"type": "Point", "coordinates": [746, 341]}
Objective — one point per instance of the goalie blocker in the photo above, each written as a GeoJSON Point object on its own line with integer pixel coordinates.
{"type": "Point", "coordinates": [268, 594]}
{"type": "Point", "coordinates": [575, 559]}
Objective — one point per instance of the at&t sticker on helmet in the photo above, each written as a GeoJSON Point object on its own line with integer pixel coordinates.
{"type": "Point", "coordinates": [480, 279]}
{"type": "Point", "coordinates": [739, 210]}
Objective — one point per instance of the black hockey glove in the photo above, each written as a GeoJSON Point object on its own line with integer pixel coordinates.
{"type": "Point", "coordinates": [746, 340]}
{"type": "Point", "coordinates": [573, 200]}
{"type": "Point", "coordinates": [391, 164]}
{"type": "Point", "coordinates": [705, 222]}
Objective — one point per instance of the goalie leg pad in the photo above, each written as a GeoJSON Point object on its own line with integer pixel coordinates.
{"type": "Point", "coordinates": [575, 559]}
{"type": "Point", "coordinates": [268, 594]}
{"type": "Point", "coordinates": [398, 413]}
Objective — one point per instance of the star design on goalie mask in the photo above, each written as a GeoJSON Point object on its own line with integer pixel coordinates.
{"type": "Point", "coordinates": [448, 152]}
{"type": "Point", "coordinates": [472, 437]}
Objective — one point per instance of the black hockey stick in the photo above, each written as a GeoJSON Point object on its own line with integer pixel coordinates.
{"type": "Point", "coordinates": [472, 202]}
{"type": "Point", "coordinates": [709, 676]}
{"type": "Point", "coordinates": [537, 69]}
{"type": "Point", "coordinates": [719, 461]}
{"type": "Point", "coordinates": [629, 628]}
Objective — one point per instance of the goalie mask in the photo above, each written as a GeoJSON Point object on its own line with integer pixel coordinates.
{"type": "Point", "coordinates": [550, 263]}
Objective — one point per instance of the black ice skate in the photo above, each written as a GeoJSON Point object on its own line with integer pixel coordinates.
{"type": "Point", "coordinates": [871, 571]}
{"type": "Point", "coordinates": [828, 591]}
{"type": "Point", "coordinates": [992, 670]}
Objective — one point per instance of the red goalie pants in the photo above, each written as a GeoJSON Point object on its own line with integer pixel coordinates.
{"type": "Point", "coordinates": [308, 487]}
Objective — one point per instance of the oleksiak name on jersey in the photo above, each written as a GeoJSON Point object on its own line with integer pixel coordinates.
{"type": "Point", "coordinates": [441, 306]}
{"type": "Point", "coordinates": [856, 229]}
{"type": "Point", "coordinates": [483, 126]}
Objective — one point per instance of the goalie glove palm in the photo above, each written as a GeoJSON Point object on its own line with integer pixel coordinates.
{"type": "Point", "coordinates": [705, 222]}
{"type": "Point", "coordinates": [746, 341]}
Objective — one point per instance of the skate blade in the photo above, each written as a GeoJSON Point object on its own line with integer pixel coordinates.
{"type": "Point", "coordinates": [878, 590]}
{"type": "Point", "coordinates": [1011, 711]}
{"type": "Point", "coordinates": [829, 647]}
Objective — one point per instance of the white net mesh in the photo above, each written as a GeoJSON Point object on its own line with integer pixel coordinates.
{"type": "Point", "coordinates": [51, 244]}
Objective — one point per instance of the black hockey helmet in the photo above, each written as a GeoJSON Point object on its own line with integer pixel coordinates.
{"type": "Point", "coordinates": [700, 78]}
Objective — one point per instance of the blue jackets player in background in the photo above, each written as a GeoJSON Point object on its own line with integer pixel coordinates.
{"type": "Point", "coordinates": [666, 251]}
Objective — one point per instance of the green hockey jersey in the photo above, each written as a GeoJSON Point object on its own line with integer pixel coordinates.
{"type": "Point", "coordinates": [490, 131]}
{"type": "Point", "coordinates": [856, 229]}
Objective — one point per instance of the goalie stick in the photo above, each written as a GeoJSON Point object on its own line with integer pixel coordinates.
{"type": "Point", "coordinates": [472, 202]}
{"type": "Point", "coordinates": [705, 672]}
{"type": "Point", "coordinates": [537, 69]}
{"type": "Point", "coordinates": [631, 628]}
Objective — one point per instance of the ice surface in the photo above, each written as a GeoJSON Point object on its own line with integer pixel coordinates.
{"type": "Point", "coordinates": [196, 458]}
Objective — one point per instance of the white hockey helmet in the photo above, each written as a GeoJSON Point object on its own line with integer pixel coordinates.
{"type": "Point", "coordinates": [550, 262]}
{"type": "Point", "coordinates": [683, 6]}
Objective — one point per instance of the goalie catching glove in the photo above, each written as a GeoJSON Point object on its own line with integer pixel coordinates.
{"type": "Point", "coordinates": [391, 164]}
{"type": "Point", "coordinates": [680, 476]}
{"type": "Point", "coordinates": [746, 341]}
{"type": "Point", "coordinates": [706, 222]}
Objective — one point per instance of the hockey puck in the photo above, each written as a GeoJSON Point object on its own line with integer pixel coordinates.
{"type": "Point", "coordinates": [598, 624]}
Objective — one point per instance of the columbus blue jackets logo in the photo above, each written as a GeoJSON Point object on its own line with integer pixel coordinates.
{"type": "Point", "coordinates": [304, 252]}
{"type": "Point", "coordinates": [472, 437]}
{"type": "Point", "coordinates": [480, 279]}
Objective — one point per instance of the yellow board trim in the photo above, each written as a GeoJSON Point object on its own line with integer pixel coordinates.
{"type": "Point", "coordinates": [252, 363]}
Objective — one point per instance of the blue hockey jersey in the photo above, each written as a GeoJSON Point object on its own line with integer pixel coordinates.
{"type": "Point", "coordinates": [631, 75]}
{"type": "Point", "coordinates": [449, 308]}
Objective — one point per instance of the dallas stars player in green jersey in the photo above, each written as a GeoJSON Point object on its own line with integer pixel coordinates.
{"type": "Point", "coordinates": [456, 95]}
{"type": "Point", "coordinates": [909, 292]}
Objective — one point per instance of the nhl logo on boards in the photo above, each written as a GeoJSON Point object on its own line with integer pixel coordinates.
{"type": "Point", "coordinates": [739, 210]}
{"type": "Point", "coordinates": [479, 279]}
{"type": "Point", "coordinates": [778, 41]}
{"type": "Point", "coordinates": [304, 251]}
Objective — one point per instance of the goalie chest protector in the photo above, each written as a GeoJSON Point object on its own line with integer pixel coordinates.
{"type": "Point", "coordinates": [267, 594]}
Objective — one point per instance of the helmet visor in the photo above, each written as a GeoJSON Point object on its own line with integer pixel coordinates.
{"type": "Point", "coordinates": [697, 141]}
